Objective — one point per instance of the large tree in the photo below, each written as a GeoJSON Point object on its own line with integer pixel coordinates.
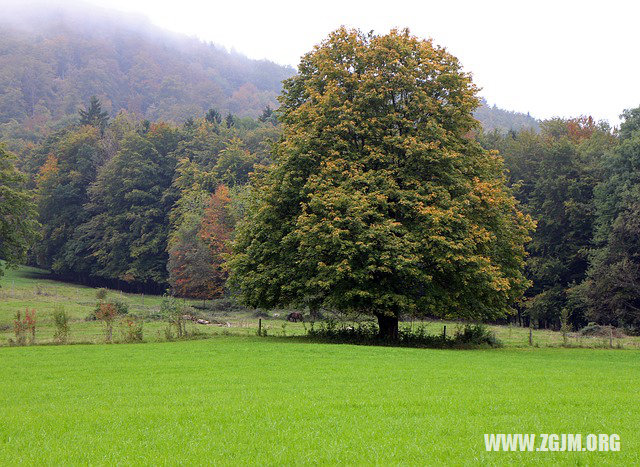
{"type": "Point", "coordinates": [18, 225]}
{"type": "Point", "coordinates": [126, 236]}
{"type": "Point", "coordinates": [63, 181]}
{"type": "Point", "coordinates": [380, 201]}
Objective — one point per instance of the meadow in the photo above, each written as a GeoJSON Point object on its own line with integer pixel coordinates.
{"type": "Point", "coordinates": [235, 398]}
{"type": "Point", "coordinates": [239, 400]}
{"type": "Point", "coordinates": [31, 288]}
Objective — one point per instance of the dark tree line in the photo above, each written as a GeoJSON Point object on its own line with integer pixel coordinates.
{"type": "Point", "coordinates": [579, 180]}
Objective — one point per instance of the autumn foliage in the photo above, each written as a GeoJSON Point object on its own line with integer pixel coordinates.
{"type": "Point", "coordinates": [199, 247]}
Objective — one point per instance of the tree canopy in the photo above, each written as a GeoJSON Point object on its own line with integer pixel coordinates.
{"type": "Point", "coordinates": [380, 200]}
{"type": "Point", "coordinates": [613, 285]}
{"type": "Point", "coordinates": [18, 225]}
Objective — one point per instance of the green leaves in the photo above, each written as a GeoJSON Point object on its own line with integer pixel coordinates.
{"type": "Point", "coordinates": [128, 229]}
{"type": "Point", "coordinates": [18, 225]}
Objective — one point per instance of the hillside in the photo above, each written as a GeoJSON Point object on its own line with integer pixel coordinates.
{"type": "Point", "coordinates": [54, 58]}
{"type": "Point", "coordinates": [495, 118]}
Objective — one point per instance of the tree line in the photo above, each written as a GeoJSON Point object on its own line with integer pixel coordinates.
{"type": "Point", "coordinates": [578, 180]}
{"type": "Point", "coordinates": [142, 206]}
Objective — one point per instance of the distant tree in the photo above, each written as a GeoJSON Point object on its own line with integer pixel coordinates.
{"type": "Point", "coordinates": [268, 115]}
{"type": "Point", "coordinates": [129, 210]}
{"type": "Point", "coordinates": [94, 115]}
{"type": "Point", "coordinates": [63, 182]}
{"type": "Point", "coordinates": [230, 120]}
{"type": "Point", "coordinates": [213, 116]}
{"type": "Point", "coordinates": [234, 164]}
{"type": "Point", "coordinates": [379, 201]}
{"type": "Point", "coordinates": [553, 174]}
{"type": "Point", "coordinates": [190, 265]}
{"type": "Point", "coordinates": [192, 272]}
{"type": "Point", "coordinates": [18, 225]}
{"type": "Point", "coordinates": [217, 227]}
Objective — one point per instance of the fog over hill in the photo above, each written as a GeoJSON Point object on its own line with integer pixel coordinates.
{"type": "Point", "coordinates": [54, 58]}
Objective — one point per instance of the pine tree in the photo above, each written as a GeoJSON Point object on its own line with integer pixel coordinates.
{"type": "Point", "coordinates": [94, 115]}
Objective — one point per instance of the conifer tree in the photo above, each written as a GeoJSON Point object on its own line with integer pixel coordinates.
{"type": "Point", "coordinates": [94, 115]}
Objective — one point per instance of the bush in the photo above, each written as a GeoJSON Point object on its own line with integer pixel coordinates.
{"type": "Point", "coordinates": [476, 334]}
{"type": "Point", "coordinates": [107, 313]}
{"type": "Point", "coordinates": [121, 307]}
{"type": "Point", "coordinates": [471, 335]}
{"type": "Point", "coordinates": [173, 311]}
{"type": "Point", "coordinates": [19, 330]}
{"type": "Point", "coordinates": [132, 329]}
{"type": "Point", "coordinates": [596, 330]}
{"type": "Point", "coordinates": [23, 327]}
{"type": "Point", "coordinates": [61, 322]}
{"type": "Point", "coordinates": [101, 293]}
{"type": "Point", "coordinates": [30, 324]}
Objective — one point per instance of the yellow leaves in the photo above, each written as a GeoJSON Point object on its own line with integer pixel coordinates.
{"type": "Point", "coordinates": [48, 169]}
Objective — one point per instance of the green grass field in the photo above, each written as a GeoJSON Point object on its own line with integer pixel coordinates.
{"type": "Point", "coordinates": [234, 400]}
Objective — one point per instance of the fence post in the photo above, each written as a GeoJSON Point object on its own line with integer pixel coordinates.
{"type": "Point", "coordinates": [260, 326]}
{"type": "Point", "coordinates": [444, 332]}
{"type": "Point", "coordinates": [530, 335]}
{"type": "Point", "coordinates": [611, 337]}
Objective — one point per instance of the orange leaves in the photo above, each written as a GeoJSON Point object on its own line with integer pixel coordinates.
{"type": "Point", "coordinates": [217, 223]}
{"type": "Point", "coordinates": [581, 128]}
{"type": "Point", "coordinates": [48, 169]}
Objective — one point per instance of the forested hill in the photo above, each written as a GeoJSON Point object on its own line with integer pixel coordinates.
{"type": "Point", "coordinates": [52, 60]}
{"type": "Point", "coordinates": [495, 118]}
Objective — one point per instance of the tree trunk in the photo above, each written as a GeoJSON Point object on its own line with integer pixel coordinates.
{"type": "Point", "coordinates": [388, 327]}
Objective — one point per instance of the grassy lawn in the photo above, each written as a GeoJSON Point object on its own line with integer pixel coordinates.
{"type": "Point", "coordinates": [232, 400]}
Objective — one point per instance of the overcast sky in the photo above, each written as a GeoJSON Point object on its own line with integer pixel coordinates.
{"type": "Point", "coordinates": [549, 58]}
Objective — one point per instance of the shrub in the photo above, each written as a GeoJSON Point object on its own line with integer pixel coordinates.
{"type": "Point", "coordinates": [476, 334]}
{"type": "Point", "coordinates": [173, 311]}
{"type": "Point", "coordinates": [19, 330]}
{"type": "Point", "coordinates": [30, 324]}
{"type": "Point", "coordinates": [101, 293]}
{"type": "Point", "coordinates": [596, 330]}
{"type": "Point", "coordinates": [121, 307]}
{"type": "Point", "coordinates": [61, 322]}
{"type": "Point", "coordinates": [471, 335]}
{"type": "Point", "coordinates": [107, 313]}
{"type": "Point", "coordinates": [23, 327]}
{"type": "Point", "coordinates": [132, 329]}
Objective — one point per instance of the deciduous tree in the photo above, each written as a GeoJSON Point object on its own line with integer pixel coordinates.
{"type": "Point", "coordinates": [18, 225]}
{"type": "Point", "coordinates": [380, 201]}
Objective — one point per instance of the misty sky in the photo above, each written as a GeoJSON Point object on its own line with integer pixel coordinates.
{"type": "Point", "coordinates": [549, 58]}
